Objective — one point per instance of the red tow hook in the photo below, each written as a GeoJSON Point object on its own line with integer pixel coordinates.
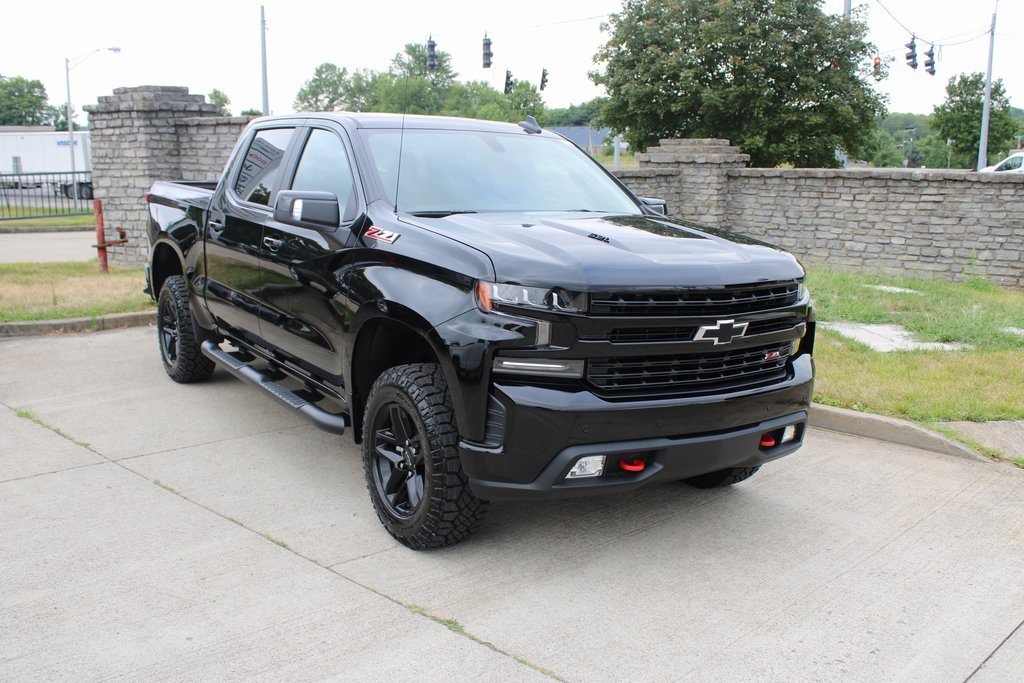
{"type": "Point", "coordinates": [767, 441]}
{"type": "Point", "coordinates": [637, 465]}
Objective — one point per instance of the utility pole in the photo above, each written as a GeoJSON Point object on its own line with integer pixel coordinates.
{"type": "Point", "coordinates": [987, 108]}
{"type": "Point", "coordinates": [846, 9]}
{"type": "Point", "coordinates": [263, 49]}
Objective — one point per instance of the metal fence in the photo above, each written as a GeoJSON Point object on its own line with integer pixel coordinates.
{"type": "Point", "coordinates": [38, 195]}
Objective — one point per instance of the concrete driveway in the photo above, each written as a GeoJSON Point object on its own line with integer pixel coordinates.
{"type": "Point", "coordinates": [158, 531]}
{"type": "Point", "coordinates": [47, 247]}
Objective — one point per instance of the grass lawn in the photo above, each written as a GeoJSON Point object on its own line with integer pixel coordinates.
{"type": "Point", "coordinates": [86, 221]}
{"type": "Point", "coordinates": [43, 291]}
{"type": "Point", "coordinates": [980, 384]}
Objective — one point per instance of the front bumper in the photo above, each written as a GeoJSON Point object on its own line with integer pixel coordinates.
{"type": "Point", "coordinates": [546, 431]}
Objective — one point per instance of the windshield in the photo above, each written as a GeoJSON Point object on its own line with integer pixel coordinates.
{"type": "Point", "coordinates": [457, 171]}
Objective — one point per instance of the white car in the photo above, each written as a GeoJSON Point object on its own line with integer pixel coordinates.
{"type": "Point", "coordinates": [1011, 164]}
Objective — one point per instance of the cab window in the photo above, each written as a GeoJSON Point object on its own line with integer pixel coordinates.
{"type": "Point", "coordinates": [262, 165]}
{"type": "Point", "coordinates": [324, 167]}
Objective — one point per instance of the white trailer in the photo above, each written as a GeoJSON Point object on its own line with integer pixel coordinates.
{"type": "Point", "coordinates": [31, 149]}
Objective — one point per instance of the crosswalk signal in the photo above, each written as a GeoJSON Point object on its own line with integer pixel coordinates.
{"type": "Point", "coordinates": [431, 54]}
{"type": "Point", "coordinates": [508, 82]}
{"type": "Point", "coordinates": [929, 60]}
{"type": "Point", "coordinates": [543, 78]}
{"type": "Point", "coordinates": [912, 55]}
{"type": "Point", "coordinates": [487, 52]}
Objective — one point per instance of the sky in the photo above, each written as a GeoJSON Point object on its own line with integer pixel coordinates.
{"type": "Point", "coordinates": [207, 45]}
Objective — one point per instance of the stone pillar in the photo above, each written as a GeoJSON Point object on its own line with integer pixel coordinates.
{"type": "Point", "coordinates": [135, 142]}
{"type": "Point", "coordinates": [701, 169]}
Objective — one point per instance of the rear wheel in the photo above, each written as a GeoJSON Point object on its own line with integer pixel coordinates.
{"type": "Point", "coordinates": [412, 466]}
{"type": "Point", "coordinates": [726, 477]}
{"type": "Point", "coordinates": [183, 360]}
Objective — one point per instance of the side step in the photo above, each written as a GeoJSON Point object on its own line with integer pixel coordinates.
{"type": "Point", "coordinates": [329, 422]}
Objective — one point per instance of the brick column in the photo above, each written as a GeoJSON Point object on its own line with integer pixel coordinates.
{"type": "Point", "coordinates": [697, 173]}
{"type": "Point", "coordinates": [135, 142]}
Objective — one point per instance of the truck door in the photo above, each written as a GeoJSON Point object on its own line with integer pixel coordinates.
{"type": "Point", "coordinates": [296, 271]}
{"type": "Point", "coordinates": [234, 233]}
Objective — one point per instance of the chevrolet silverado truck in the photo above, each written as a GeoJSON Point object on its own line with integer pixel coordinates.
{"type": "Point", "coordinates": [490, 312]}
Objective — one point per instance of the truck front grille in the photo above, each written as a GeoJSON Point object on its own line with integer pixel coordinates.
{"type": "Point", "coordinates": [720, 302]}
{"type": "Point", "coordinates": [712, 372]}
{"type": "Point", "coordinates": [651, 334]}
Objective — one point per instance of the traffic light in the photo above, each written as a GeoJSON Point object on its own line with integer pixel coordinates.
{"type": "Point", "coordinates": [487, 52]}
{"type": "Point", "coordinates": [878, 65]}
{"type": "Point", "coordinates": [929, 60]}
{"type": "Point", "coordinates": [431, 54]}
{"type": "Point", "coordinates": [912, 55]}
{"type": "Point", "coordinates": [508, 82]}
{"type": "Point", "coordinates": [543, 78]}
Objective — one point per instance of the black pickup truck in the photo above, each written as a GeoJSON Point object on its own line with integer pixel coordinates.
{"type": "Point", "coordinates": [491, 312]}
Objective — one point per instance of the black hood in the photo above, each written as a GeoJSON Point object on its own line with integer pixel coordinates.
{"type": "Point", "coordinates": [588, 252]}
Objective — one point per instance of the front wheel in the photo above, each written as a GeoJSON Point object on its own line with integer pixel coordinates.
{"type": "Point", "coordinates": [183, 360]}
{"type": "Point", "coordinates": [412, 466]}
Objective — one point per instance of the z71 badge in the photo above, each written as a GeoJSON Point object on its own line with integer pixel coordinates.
{"type": "Point", "coordinates": [383, 235]}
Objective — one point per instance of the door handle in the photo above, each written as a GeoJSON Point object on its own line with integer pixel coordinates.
{"type": "Point", "coordinates": [271, 243]}
{"type": "Point", "coordinates": [215, 225]}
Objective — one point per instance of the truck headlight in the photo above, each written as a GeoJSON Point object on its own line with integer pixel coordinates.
{"type": "Point", "coordinates": [555, 299]}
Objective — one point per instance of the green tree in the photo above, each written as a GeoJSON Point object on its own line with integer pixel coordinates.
{"type": "Point", "coordinates": [959, 119]}
{"type": "Point", "coordinates": [882, 152]}
{"type": "Point", "coordinates": [896, 122]}
{"type": "Point", "coordinates": [251, 112]}
{"type": "Point", "coordinates": [220, 98]}
{"type": "Point", "coordinates": [59, 117]}
{"type": "Point", "coordinates": [525, 100]}
{"type": "Point", "coordinates": [23, 102]}
{"type": "Point", "coordinates": [782, 80]}
{"type": "Point", "coordinates": [934, 152]}
{"type": "Point", "coordinates": [325, 91]}
{"type": "Point", "coordinates": [575, 114]}
{"type": "Point", "coordinates": [411, 62]}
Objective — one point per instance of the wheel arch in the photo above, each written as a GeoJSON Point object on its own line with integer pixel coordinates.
{"type": "Point", "coordinates": [165, 261]}
{"type": "Point", "coordinates": [383, 342]}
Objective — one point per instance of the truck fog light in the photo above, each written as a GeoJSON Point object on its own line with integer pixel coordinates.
{"type": "Point", "coordinates": [789, 434]}
{"type": "Point", "coordinates": [590, 466]}
{"type": "Point", "coordinates": [539, 366]}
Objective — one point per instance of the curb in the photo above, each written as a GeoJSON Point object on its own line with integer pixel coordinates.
{"type": "Point", "coordinates": [867, 425]}
{"type": "Point", "coordinates": [114, 321]}
{"type": "Point", "coordinates": [888, 429]}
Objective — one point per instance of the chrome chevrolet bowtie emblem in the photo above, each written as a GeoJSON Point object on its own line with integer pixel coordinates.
{"type": "Point", "coordinates": [722, 332]}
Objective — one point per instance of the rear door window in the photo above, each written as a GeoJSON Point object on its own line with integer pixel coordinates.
{"type": "Point", "coordinates": [261, 166]}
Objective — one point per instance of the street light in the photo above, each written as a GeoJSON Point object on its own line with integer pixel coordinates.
{"type": "Point", "coordinates": [69, 64]}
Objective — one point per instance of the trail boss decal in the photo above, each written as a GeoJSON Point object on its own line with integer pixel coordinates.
{"type": "Point", "coordinates": [388, 236]}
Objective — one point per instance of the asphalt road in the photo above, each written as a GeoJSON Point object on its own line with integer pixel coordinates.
{"type": "Point", "coordinates": [158, 531]}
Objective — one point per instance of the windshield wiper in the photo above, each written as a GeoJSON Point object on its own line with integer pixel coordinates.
{"type": "Point", "coordinates": [438, 214]}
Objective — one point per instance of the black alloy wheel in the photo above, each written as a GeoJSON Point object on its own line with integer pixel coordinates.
{"type": "Point", "coordinates": [180, 351]}
{"type": "Point", "coordinates": [398, 464]}
{"type": "Point", "coordinates": [412, 464]}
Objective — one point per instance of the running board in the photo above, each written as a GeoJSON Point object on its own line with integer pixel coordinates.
{"type": "Point", "coordinates": [329, 422]}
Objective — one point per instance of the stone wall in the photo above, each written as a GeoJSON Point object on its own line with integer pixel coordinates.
{"type": "Point", "coordinates": [946, 224]}
{"type": "Point", "coordinates": [149, 133]}
{"type": "Point", "coordinates": [935, 223]}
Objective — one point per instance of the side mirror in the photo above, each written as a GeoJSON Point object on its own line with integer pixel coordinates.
{"type": "Point", "coordinates": [307, 209]}
{"type": "Point", "coordinates": [656, 206]}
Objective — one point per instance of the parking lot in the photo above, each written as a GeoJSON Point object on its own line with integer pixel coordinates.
{"type": "Point", "coordinates": [160, 531]}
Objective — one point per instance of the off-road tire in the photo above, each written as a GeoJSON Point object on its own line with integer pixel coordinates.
{"type": "Point", "coordinates": [176, 335]}
{"type": "Point", "coordinates": [726, 477]}
{"type": "Point", "coordinates": [411, 460]}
